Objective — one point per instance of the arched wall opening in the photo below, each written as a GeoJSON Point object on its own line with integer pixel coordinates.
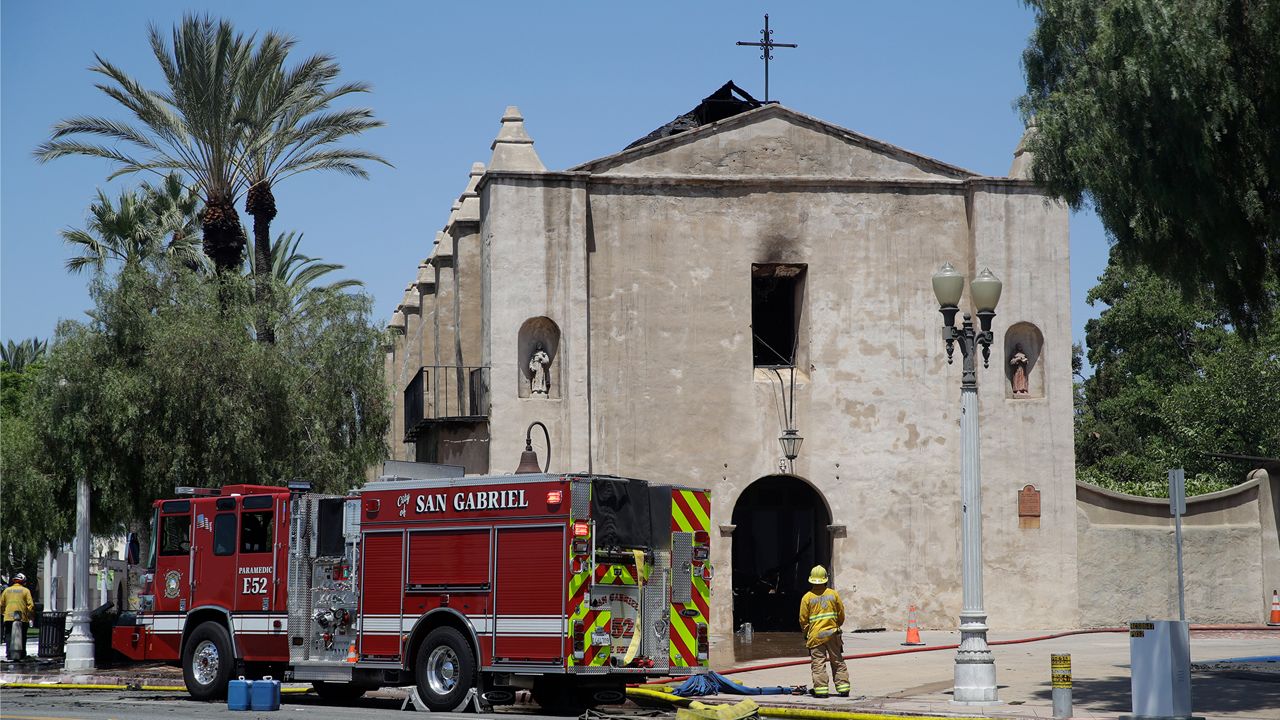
{"type": "Point", "coordinates": [780, 532]}
{"type": "Point", "coordinates": [538, 358]}
{"type": "Point", "coordinates": [1024, 343]}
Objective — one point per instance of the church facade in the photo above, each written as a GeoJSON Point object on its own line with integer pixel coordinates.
{"type": "Point", "coordinates": [670, 311]}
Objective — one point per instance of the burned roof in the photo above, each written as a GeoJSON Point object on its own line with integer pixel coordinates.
{"type": "Point", "coordinates": [726, 102]}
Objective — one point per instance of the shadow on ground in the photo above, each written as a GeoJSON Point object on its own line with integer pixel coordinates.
{"type": "Point", "coordinates": [1211, 693]}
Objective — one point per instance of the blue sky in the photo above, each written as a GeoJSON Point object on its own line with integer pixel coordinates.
{"type": "Point", "coordinates": [938, 78]}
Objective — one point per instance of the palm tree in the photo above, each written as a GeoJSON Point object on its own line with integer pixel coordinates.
{"type": "Point", "coordinates": [133, 229]}
{"type": "Point", "coordinates": [17, 356]}
{"type": "Point", "coordinates": [115, 232]}
{"type": "Point", "coordinates": [211, 74]}
{"type": "Point", "coordinates": [295, 275]}
{"type": "Point", "coordinates": [176, 209]}
{"type": "Point", "coordinates": [290, 132]}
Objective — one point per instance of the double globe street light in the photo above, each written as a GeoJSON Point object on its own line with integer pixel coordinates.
{"type": "Point", "coordinates": [975, 669]}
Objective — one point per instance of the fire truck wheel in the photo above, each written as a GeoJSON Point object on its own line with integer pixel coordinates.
{"type": "Point", "coordinates": [207, 661]}
{"type": "Point", "coordinates": [339, 693]}
{"type": "Point", "coordinates": [445, 669]}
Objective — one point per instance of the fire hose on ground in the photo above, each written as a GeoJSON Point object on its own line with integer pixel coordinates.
{"type": "Point", "coordinates": [931, 648]}
{"type": "Point", "coordinates": [650, 694]}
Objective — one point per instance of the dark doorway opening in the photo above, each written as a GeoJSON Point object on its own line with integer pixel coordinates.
{"type": "Point", "coordinates": [781, 532]}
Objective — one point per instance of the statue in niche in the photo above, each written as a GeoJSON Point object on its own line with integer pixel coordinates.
{"type": "Point", "coordinates": [1019, 361]}
{"type": "Point", "coordinates": [539, 363]}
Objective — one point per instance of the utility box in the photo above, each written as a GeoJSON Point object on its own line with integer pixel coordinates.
{"type": "Point", "coordinates": [1160, 662]}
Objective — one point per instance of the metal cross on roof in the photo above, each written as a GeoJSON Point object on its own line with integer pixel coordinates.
{"type": "Point", "coordinates": [766, 46]}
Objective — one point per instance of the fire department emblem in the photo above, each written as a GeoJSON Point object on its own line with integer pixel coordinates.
{"type": "Point", "coordinates": [172, 580]}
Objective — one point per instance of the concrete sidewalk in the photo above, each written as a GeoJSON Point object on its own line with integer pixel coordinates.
{"type": "Point", "coordinates": [920, 683]}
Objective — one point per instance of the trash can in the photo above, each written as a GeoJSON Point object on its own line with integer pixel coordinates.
{"type": "Point", "coordinates": [101, 620]}
{"type": "Point", "coordinates": [53, 634]}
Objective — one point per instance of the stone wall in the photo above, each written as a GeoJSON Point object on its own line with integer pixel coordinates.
{"type": "Point", "coordinates": [1231, 555]}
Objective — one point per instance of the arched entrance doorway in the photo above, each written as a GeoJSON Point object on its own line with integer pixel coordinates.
{"type": "Point", "coordinates": [780, 533]}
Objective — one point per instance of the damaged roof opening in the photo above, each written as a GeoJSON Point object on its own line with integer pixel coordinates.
{"type": "Point", "coordinates": [726, 102]}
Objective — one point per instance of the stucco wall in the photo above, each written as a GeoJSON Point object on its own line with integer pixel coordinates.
{"type": "Point", "coordinates": [644, 263]}
{"type": "Point", "coordinates": [1229, 544]}
{"type": "Point", "coordinates": [533, 259]}
{"type": "Point", "coordinates": [674, 393]}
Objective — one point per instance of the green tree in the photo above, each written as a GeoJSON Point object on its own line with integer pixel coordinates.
{"type": "Point", "coordinates": [1161, 114]}
{"type": "Point", "coordinates": [165, 386]}
{"type": "Point", "coordinates": [1173, 383]}
{"type": "Point", "coordinates": [134, 229]}
{"type": "Point", "coordinates": [212, 75]}
{"type": "Point", "coordinates": [32, 516]}
{"type": "Point", "coordinates": [16, 356]}
{"type": "Point", "coordinates": [292, 130]}
{"type": "Point", "coordinates": [177, 212]}
{"type": "Point", "coordinates": [295, 277]}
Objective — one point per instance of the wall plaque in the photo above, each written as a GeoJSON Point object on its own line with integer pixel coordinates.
{"type": "Point", "coordinates": [1029, 502]}
{"type": "Point", "coordinates": [1029, 507]}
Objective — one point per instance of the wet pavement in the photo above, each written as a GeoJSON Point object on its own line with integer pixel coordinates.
{"type": "Point", "coordinates": [762, 646]}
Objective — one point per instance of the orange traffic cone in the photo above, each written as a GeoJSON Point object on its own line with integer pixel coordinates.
{"type": "Point", "coordinates": [351, 654]}
{"type": "Point", "coordinates": [913, 632]}
{"type": "Point", "coordinates": [1275, 609]}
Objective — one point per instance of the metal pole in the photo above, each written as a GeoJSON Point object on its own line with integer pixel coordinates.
{"type": "Point", "coordinates": [1177, 540]}
{"type": "Point", "coordinates": [80, 644]}
{"type": "Point", "coordinates": [1178, 506]}
{"type": "Point", "coordinates": [768, 55]}
{"type": "Point", "coordinates": [975, 668]}
{"type": "Point", "coordinates": [1060, 678]}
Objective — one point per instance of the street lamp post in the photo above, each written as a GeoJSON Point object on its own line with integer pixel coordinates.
{"type": "Point", "coordinates": [975, 669]}
{"type": "Point", "coordinates": [80, 643]}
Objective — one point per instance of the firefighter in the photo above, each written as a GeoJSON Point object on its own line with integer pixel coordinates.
{"type": "Point", "coordinates": [821, 615]}
{"type": "Point", "coordinates": [18, 610]}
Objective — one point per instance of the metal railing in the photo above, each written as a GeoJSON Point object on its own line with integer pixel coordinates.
{"type": "Point", "coordinates": [445, 392]}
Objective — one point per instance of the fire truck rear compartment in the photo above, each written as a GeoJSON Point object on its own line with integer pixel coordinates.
{"type": "Point", "coordinates": [324, 586]}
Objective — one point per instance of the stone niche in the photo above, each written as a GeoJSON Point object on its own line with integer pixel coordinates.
{"type": "Point", "coordinates": [539, 333]}
{"type": "Point", "coordinates": [1029, 337]}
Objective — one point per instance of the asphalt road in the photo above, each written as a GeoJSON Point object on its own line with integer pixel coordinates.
{"type": "Point", "coordinates": [23, 704]}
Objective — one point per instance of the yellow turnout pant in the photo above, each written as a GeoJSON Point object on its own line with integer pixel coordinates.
{"type": "Point", "coordinates": [830, 651]}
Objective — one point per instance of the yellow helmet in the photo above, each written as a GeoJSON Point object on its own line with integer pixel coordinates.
{"type": "Point", "coordinates": [818, 575]}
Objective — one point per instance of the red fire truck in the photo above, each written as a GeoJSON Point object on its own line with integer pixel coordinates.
{"type": "Point", "coordinates": [467, 588]}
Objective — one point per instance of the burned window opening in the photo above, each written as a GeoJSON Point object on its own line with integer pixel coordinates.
{"type": "Point", "coordinates": [777, 303]}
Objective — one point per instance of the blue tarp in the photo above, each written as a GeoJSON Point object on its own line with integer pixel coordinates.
{"type": "Point", "coordinates": [714, 683]}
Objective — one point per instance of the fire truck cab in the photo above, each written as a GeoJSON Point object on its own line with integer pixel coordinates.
{"type": "Point", "coordinates": [467, 588]}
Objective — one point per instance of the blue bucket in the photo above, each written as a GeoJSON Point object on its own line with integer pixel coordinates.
{"type": "Point", "coordinates": [238, 694]}
{"type": "Point", "coordinates": [265, 694]}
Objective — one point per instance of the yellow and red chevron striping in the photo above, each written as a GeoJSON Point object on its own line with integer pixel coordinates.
{"type": "Point", "coordinates": [595, 654]}
{"type": "Point", "coordinates": [690, 511]}
{"type": "Point", "coordinates": [684, 639]}
{"type": "Point", "coordinates": [700, 599]}
{"type": "Point", "coordinates": [615, 574]}
{"type": "Point", "coordinates": [578, 589]}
